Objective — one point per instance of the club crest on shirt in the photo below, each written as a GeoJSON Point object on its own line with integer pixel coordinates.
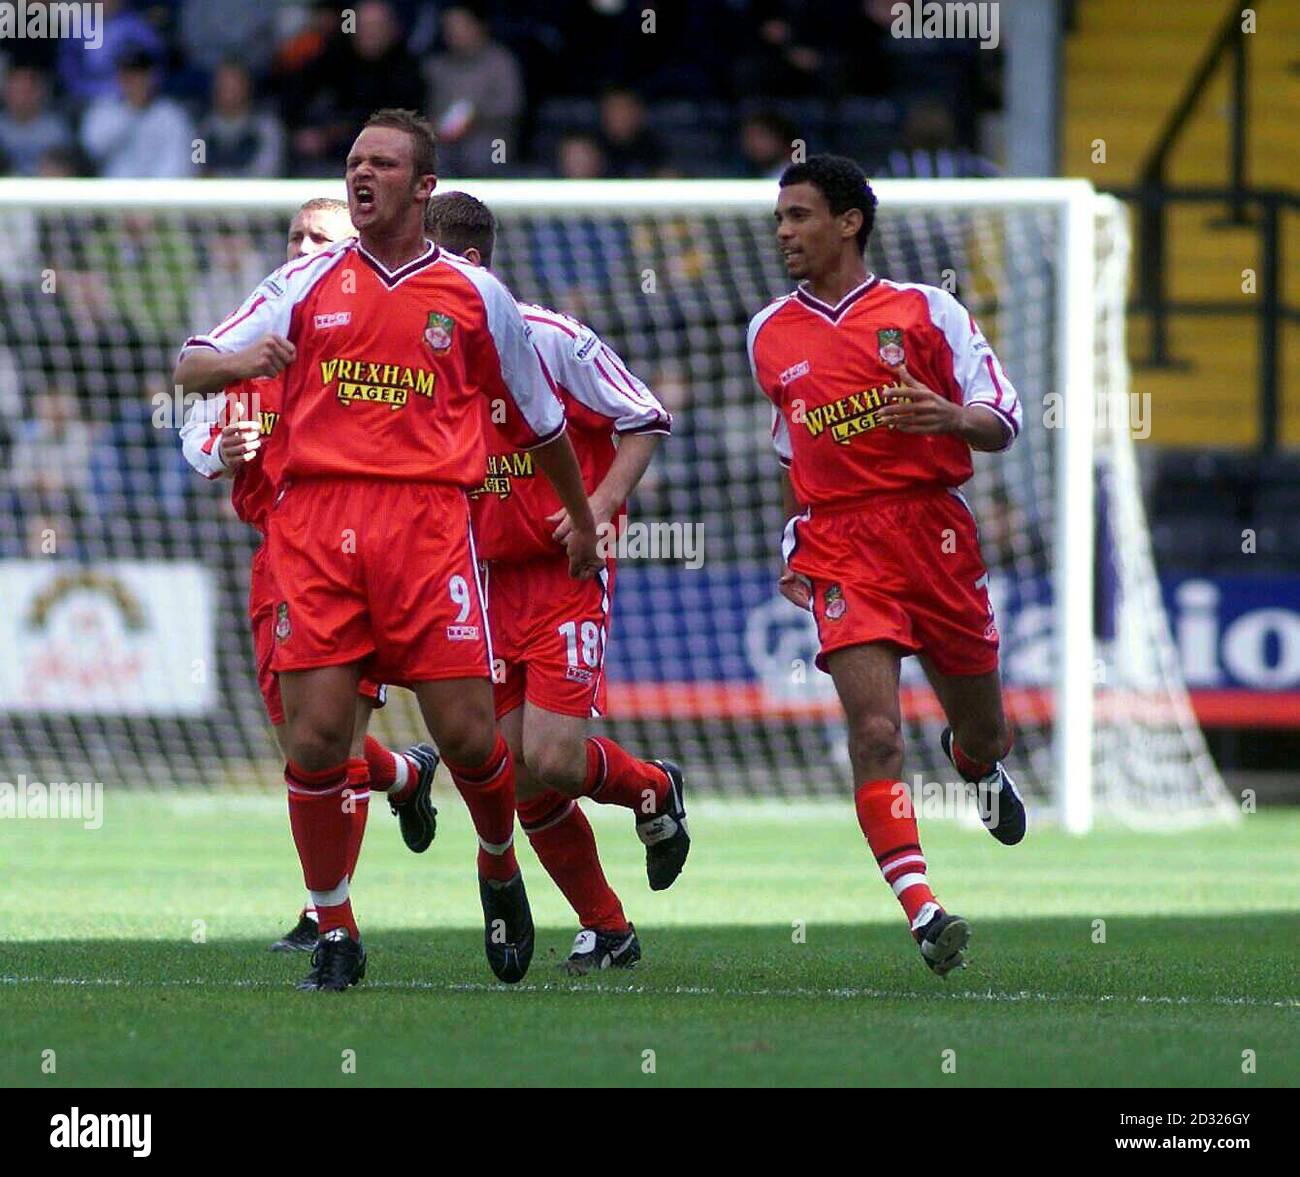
{"type": "Point", "coordinates": [437, 331]}
{"type": "Point", "coordinates": [889, 343]}
{"type": "Point", "coordinates": [282, 627]}
{"type": "Point", "coordinates": [834, 602]}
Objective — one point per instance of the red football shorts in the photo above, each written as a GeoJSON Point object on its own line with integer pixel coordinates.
{"type": "Point", "coordinates": [902, 568]}
{"type": "Point", "coordinates": [377, 571]}
{"type": "Point", "coordinates": [548, 635]}
{"type": "Point", "coordinates": [261, 611]}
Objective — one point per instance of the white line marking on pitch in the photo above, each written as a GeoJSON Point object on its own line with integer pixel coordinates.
{"type": "Point", "coordinates": [680, 990]}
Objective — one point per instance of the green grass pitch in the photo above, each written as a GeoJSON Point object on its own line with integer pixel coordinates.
{"type": "Point", "coordinates": [105, 965]}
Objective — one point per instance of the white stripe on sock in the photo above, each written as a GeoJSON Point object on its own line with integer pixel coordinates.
{"type": "Point", "coordinates": [901, 884]}
{"type": "Point", "coordinates": [498, 848]}
{"type": "Point", "coordinates": [555, 821]}
{"type": "Point", "coordinates": [907, 861]}
{"type": "Point", "coordinates": [332, 898]}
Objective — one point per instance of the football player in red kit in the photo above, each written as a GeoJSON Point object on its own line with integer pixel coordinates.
{"type": "Point", "coordinates": [388, 345]}
{"type": "Point", "coordinates": [550, 631]}
{"type": "Point", "coordinates": [880, 391]}
{"type": "Point", "coordinates": [234, 435]}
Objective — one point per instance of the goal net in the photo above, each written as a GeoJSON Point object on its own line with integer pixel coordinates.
{"type": "Point", "coordinates": [124, 575]}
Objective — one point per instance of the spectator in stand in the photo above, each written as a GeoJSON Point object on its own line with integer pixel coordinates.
{"type": "Point", "coordinates": [88, 72]}
{"type": "Point", "coordinates": [357, 74]}
{"type": "Point", "coordinates": [216, 31]}
{"type": "Point", "coordinates": [949, 69]}
{"type": "Point", "coordinates": [930, 150]}
{"type": "Point", "coordinates": [579, 157]}
{"type": "Point", "coordinates": [300, 51]}
{"type": "Point", "coordinates": [476, 94]}
{"type": "Point", "coordinates": [632, 149]}
{"type": "Point", "coordinates": [784, 57]}
{"type": "Point", "coordinates": [139, 135]}
{"type": "Point", "coordinates": [28, 127]}
{"type": "Point", "coordinates": [52, 452]}
{"type": "Point", "coordinates": [766, 145]}
{"type": "Point", "coordinates": [239, 140]}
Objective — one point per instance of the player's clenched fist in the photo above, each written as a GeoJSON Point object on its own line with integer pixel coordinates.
{"type": "Point", "coordinates": [240, 438]}
{"type": "Point", "coordinates": [269, 356]}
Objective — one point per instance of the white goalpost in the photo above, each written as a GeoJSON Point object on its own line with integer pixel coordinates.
{"type": "Point", "coordinates": [118, 566]}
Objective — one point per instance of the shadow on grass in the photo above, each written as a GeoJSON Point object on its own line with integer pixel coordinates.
{"type": "Point", "coordinates": [1246, 958]}
{"type": "Point", "coordinates": [1162, 1001]}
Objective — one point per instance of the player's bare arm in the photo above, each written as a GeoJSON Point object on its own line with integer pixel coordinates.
{"type": "Point", "coordinates": [914, 408]}
{"type": "Point", "coordinates": [559, 463]}
{"type": "Point", "coordinates": [630, 463]}
{"type": "Point", "coordinates": [204, 370]}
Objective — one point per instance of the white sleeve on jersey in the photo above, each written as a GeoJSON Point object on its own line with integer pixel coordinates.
{"type": "Point", "coordinates": [974, 366]}
{"type": "Point", "coordinates": [200, 436]}
{"type": "Point", "coordinates": [781, 439]}
{"type": "Point", "coordinates": [594, 374]}
{"type": "Point", "coordinates": [780, 430]}
{"type": "Point", "coordinates": [521, 369]}
{"type": "Point", "coordinates": [269, 309]}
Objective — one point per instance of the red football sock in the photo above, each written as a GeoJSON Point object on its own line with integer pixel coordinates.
{"type": "Point", "coordinates": [974, 769]}
{"type": "Point", "coordinates": [489, 792]}
{"type": "Point", "coordinates": [616, 778]}
{"type": "Point", "coordinates": [390, 772]}
{"type": "Point", "coordinates": [889, 824]}
{"type": "Point", "coordinates": [358, 782]}
{"type": "Point", "coordinates": [562, 837]}
{"type": "Point", "coordinates": [323, 823]}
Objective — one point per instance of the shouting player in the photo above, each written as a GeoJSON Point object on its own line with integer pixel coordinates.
{"type": "Point", "coordinates": [549, 631]}
{"type": "Point", "coordinates": [880, 392]}
{"type": "Point", "coordinates": [388, 344]}
{"type": "Point", "coordinates": [234, 435]}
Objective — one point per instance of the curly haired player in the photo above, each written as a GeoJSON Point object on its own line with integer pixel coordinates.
{"type": "Point", "coordinates": [880, 390]}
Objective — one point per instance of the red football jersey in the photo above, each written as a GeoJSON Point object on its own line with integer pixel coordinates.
{"type": "Point", "coordinates": [391, 366]}
{"type": "Point", "coordinates": [601, 399]}
{"type": "Point", "coordinates": [825, 370]}
{"type": "Point", "coordinates": [253, 489]}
